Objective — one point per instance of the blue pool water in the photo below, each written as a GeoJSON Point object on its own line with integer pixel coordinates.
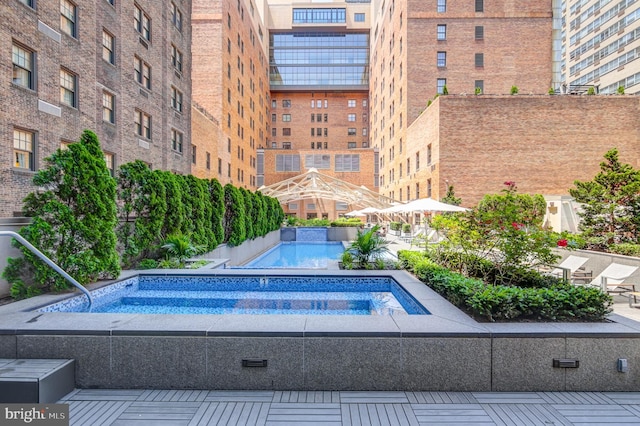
{"type": "Point", "coordinates": [150, 294]}
{"type": "Point", "coordinates": [305, 255]}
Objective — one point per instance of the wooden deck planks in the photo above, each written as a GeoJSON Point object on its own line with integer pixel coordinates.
{"type": "Point", "coordinates": [274, 408]}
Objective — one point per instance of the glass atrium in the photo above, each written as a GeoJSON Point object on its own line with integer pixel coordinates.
{"type": "Point", "coordinates": [319, 59]}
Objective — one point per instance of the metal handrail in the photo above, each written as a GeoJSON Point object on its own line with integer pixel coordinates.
{"type": "Point", "coordinates": [49, 262]}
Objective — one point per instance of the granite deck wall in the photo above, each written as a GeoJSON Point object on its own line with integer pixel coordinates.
{"type": "Point", "coordinates": [445, 351]}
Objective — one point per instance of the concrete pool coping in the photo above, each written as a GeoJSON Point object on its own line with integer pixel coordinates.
{"type": "Point", "coordinates": [446, 350]}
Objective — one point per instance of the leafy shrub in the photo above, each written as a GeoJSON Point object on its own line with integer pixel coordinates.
{"type": "Point", "coordinates": [180, 248]}
{"type": "Point", "coordinates": [395, 226]}
{"type": "Point", "coordinates": [234, 216]}
{"type": "Point", "coordinates": [406, 228]}
{"type": "Point", "coordinates": [558, 302]}
{"type": "Point", "coordinates": [346, 222]}
{"type": "Point", "coordinates": [626, 249]}
{"type": "Point", "coordinates": [148, 264]}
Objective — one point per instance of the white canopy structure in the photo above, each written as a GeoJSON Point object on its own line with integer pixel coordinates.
{"type": "Point", "coordinates": [424, 205]}
{"type": "Point", "coordinates": [313, 185]}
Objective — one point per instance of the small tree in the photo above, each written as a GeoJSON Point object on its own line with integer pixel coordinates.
{"type": "Point", "coordinates": [73, 221]}
{"type": "Point", "coordinates": [450, 197]}
{"type": "Point", "coordinates": [610, 203]}
{"type": "Point", "coordinates": [620, 90]}
{"type": "Point", "coordinates": [504, 228]}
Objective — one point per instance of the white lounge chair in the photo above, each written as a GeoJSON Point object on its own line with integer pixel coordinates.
{"type": "Point", "coordinates": [611, 280]}
{"type": "Point", "coordinates": [572, 264]}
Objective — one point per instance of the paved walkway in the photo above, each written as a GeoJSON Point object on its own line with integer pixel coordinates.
{"type": "Point", "coordinates": [190, 407]}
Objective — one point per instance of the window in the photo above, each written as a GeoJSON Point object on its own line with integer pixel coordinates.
{"type": "Point", "coordinates": [176, 140]}
{"type": "Point", "coordinates": [208, 161]}
{"type": "Point", "coordinates": [286, 145]}
{"type": "Point", "coordinates": [351, 103]}
{"type": "Point", "coordinates": [109, 160]}
{"type": "Point", "coordinates": [326, 118]}
{"type": "Point", "coordinates": [274, 132]}
{"type": "Point", "coordinates": [351, 117]}
{"type": "Point", "coordinates": [364, 131]}
{"type": "Point", "coordinates": [319, 104]}
{"type": "Point", "coordinates": [193, 154]}
{"type": "Point", "coordinates": [286, 117]}
{"type": "Point", "coordinates": [326, 103]}
{"type": "Point", "coordinates": [442, 6]}
{"type": "Point", "coordinates": [313, 118]}
{"type": "Point", "coordinates": [479, 5]}
{"type": "Point", "coordinates": [319, 118]}
{"type": "Point", "coordinates": [441, 82]}
{"type": "Point", "coordinates": [417, 161]}
{"type": "Point", "coordinates": [442, 59]}
{"type": "Point", "coordinates": [479, 32]}
{"type": "Point", "coordinates": [68, 88]}
{"type": "Point", "coordinates": [273, 118]}
{"type": "Point", "coordinates": [479, 86]}
{"type": "Point", "coordinates": [351, 145]}
{"type": "Point", "coordinates": [23, 66]}
{"type": "Point", "coordinates": [68, 18]}
{"type": "Point", "coordinates": [352, 131]}
{"type": "Point", "coordinates": [286, 131]}
{"type": "Point", "coordinates": [143, 124]}
{"type": "Point", "coordinates": [428, 154]}
{"type": "Point", "coordinates": [479, 60]}
{"type": "Point", "coordinates": [142, 72]}
{"type": "Point", "coordinates": [108, 47]}
{"type": "Point", "coordinates": [442, 32]}
{"type": "Point", "coordinates": [287, 163]}
{"type": "Point", "coordinates": [358, 17]}
{"type": "Point", "coordinates": [428, 188]}
{"type": "Point", "coordinates": [108, 107]}
{"type": "Point", "coordinates": [286, 103]}
{"type": "Point", "coordinates": [23, 149]}
{"type": "Point", "coordinates": [176, 99]}
{"type": "Point", "coordinates": [27, 3]}
{"type": "Point", "coordinates": [176, 16]}
{"type": "Point", "coordinates": [142, 23]}
{"type": "Point", "coordinates": [176, 58]}
{"type": "Point", "coordinates": [347, 162]}
{"type": "Point", "coordinates": [319, 161]}
{"type": "Point", "coordinates": [319, 16]}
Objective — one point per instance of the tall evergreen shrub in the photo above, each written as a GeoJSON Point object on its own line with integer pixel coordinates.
{"type": "Point", "coordinates": [143, 209]}
{"type": "Point", "coordinates": [175, 217]}
{"type": "Point", "coordinates": [234, 216]}
{"type": "Point", "coordinates": [216, 193]}
{"type": "Point", "coordinates": [73, 223]}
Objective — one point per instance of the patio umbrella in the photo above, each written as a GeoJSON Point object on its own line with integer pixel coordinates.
{"type": "Point", "coordinates": [426, 205]}
{"type": "Point", "coordinates": [354, 213]}
{"type": "Point", "coordinates": [370, 210]}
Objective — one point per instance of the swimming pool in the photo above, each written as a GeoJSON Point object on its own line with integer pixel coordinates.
{"type": "Point", "coordinates": [299, 255]}
{"type": "Point", "coordinates": [279, 295]}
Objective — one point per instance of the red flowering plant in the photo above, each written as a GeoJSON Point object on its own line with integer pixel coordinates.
{"type": "Point", "coordinates": [504, 228]}
{"type": "Point", "coordinates": [562, 243]}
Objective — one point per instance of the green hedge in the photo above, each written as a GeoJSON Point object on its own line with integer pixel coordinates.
{"type": "Point", "coordinates": [559, 302]}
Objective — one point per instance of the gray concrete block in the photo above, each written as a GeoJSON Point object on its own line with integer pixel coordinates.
{"type": "Point", "coordinates": [158, 362]}
{"type": "Point", "coordinates": [446, 364]}
{"type": "Point", "coordinates": [284, 356]}
{"type": "Point", "coordinates": [526, 364]}
{"type": "Point", "coordinates": [352, 363]}
{"type": "Point", "coordinates": [598, 364]}
{"type": "Point", "coordinates": [91, 355]}
{"type": "Point", "coordinates": [8, 346]}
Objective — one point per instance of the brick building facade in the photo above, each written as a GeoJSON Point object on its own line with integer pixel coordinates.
{"type": "Point", "coordinates": [543, 143]}
{"type": "Point", "coordinates": [83, 65]}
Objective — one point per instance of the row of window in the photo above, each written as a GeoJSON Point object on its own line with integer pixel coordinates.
{"type": "Point", "coordinates": [24, 144]}
{"type": "Point", "coordinates": [286, 103]}
{"type": "Point", "coordinates": [24, 66]}
{"type": "Point", "coordinates": [342, 162]}
{"type": "Point", "coordinates": [441, 6]}
{"type": "Point", "coordinates": [442, 82]}
{"type": "Point", "coordinates": [441, 60]}
{"type": "Point", "coordinates": [441, 32]}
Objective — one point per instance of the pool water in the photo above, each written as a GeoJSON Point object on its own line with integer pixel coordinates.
{"type": "Point", "coordinates": [296, 254]}
{"type": "Point", "coordinates": [150, 294]}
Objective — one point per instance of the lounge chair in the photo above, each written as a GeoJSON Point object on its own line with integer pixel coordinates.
{"type": "Point", "coordinates": [611, 280]}
{"type": "Point", "coordinates": [573, 265]}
